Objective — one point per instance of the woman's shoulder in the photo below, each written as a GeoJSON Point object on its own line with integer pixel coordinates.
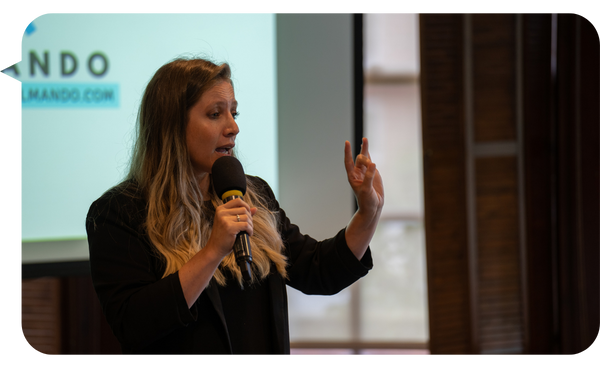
{"type": "Point", "coordinates": [260, 186]}
{"type": "Point", "coordinates": [258, 183]}
{"type": "Point", "coordinates": [262, 189]}
{"type": "Point", "coordinates": [255, 180]}
{"type": "Point", "coordinates": [124, 199]}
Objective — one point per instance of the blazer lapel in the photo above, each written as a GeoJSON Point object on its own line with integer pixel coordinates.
{"type": "Point", "coordinates": [213, 295]}
{"type": "Point", "coordinates": [280, 315]}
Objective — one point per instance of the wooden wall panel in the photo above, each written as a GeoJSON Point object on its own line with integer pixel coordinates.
{"type": "Point", "coordinates": [463, 111]}
{"type": "Point", "coordinates": [494, 77]}
{"type": "Point", "coordinates": [498, 258]}
{"type": "Point", "coordinates": [85, 329]}
{"type": "Point", "coordinates": [494, 174]}
{"type": "Point", "coordinates": [524, 92]}
{"type": "Point", "coordinates": [41, 315]}
{"type": "Point", "coordinates": [62, 315]}
{"type": "Point", "coordinates": [538, 157]}
{"type": "Point", "coordinates": [577, 169]}
{"type": "Point", "coordinates": [444, 166]}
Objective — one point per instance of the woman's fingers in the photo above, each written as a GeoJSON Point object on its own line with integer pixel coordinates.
{"type": "Point", "coordinates": [348, 161]}
{"type": "Point", "coordinates": [357, 170]}
{"type": "Point", "coordinates": [364, 177]}
{"type": "Point", "coordinates": [230, 219]}
{"type": "Point", "coordinates": [236, 203]}
{"type": "Point", "coordinates": [237, 216]}
{"type": "Point", "coordinates": [364, 148]}
{"type": "Point", "coordinates": [370, 175]}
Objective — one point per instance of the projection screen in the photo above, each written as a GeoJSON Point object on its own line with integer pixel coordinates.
{"type": "Point", "coordinates": [82, 78]}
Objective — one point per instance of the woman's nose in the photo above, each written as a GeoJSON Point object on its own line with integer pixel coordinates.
{"type": "Point", "coordinates": [232, 128]}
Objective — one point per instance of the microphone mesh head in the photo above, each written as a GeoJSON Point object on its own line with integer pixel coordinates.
{"type": "Point", "coordinates": [228, 174]}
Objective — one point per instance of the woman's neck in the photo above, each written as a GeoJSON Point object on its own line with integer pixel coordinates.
{"type": "Point", "coordinates": [204, 183]}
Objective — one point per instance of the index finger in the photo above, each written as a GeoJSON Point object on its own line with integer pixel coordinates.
{"type": "Point", "coordinates": [348, 161]}
{"type": "Point", "coordinates": [236, 203]}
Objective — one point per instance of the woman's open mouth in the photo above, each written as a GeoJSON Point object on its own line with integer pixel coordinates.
{"type": "Point", "coordinates": [225, 150]}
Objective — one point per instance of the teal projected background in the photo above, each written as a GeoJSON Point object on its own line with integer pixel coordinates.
{"type": "Point", "coordinates": [82, 79]}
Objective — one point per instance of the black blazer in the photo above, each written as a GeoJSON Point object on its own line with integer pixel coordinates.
{"type": "Point", "coordinates": [149, 314]}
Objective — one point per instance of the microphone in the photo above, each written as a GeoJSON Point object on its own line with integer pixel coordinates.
{"type": "Point", "coordinates": [229, 182]}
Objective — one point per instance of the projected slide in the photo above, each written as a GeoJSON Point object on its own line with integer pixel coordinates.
{"type": "Point", "coordinates": [82, 80]}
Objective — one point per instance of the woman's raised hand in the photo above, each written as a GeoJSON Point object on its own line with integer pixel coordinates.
{"type": "Point", "coordinates": [364, 178]}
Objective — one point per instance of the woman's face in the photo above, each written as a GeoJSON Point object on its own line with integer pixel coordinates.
{"type": "Point", "coordinates": [211, 128]}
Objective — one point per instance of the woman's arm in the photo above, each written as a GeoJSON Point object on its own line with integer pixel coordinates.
{"type": "Point", "coordinates": [367, 185]}
{"type": "Point", "coordinates": [195, 275]}
{"type": "Point", "coordinates": [359, 232]}
{"type": "Point", "coordinates": [197, 272]}
{"type": "Point", "coordinates": [140, 305]}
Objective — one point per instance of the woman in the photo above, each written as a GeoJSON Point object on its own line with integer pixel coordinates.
{"type": "Point", "coordinates": [161, 241]}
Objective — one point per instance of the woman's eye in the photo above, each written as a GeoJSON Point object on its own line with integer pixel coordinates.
{"type": "Point", "coordinates": [217, 115]}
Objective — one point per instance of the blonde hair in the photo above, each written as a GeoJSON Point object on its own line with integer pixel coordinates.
{"type": "Point", "coordinates": [178, 221]}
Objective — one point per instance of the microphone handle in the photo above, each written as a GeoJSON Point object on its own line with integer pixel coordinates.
{"type": "Point", "coordinates": [242, 249]}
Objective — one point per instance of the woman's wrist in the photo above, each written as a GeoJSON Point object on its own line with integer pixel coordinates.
{"type": "Point", "coordinates": [195, 275]}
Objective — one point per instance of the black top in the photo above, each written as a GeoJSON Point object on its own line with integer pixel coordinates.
{"type": "Point", "coordinates": [248, 317]}
{"type": "Point", "coordinates": [149, 314]}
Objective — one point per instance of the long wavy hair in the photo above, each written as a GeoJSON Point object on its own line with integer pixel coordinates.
{"type": "Point", "coordinates": [179, 219]}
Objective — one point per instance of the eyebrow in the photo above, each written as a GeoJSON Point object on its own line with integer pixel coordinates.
{"type": "Point", "coordinates": [221, 103]}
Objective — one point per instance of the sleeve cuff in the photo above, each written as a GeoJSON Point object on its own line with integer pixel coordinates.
{"type": "Point", "coordinates": [186, 315]}
{"type": "Point", "coordinates": [357, 267]}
